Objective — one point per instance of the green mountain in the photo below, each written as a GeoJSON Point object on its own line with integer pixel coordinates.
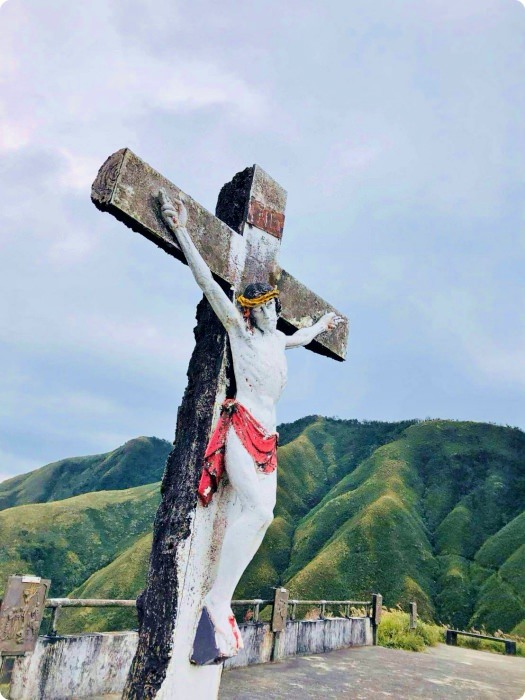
{"type": "Point", "coordinates": [431, 511]}
{"type": "Point", "coordinates": [69, 540]}
{"type": "Point", "coordinates": [123, 578]}
{"type": "Point", "coordinates": [415, 520]}
{"type": "Point", "coordinates": [139, 461]}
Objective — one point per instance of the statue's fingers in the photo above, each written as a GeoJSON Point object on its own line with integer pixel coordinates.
{"type": "Point", "coordinates": [165, 201]}
{"type": "Point", "coordinates": [168, 210]}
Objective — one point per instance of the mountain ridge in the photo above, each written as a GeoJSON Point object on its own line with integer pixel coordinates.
{"type": "Point", "coordinates": [139, 461]}
{"type": "Point", "coordinates": [432, 511]}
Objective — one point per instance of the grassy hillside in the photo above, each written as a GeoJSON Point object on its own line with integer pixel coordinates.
{"type": "Point", "coordinates": [366, 534]}
{"type": "Point", "coordinates": [436, 515]}
{"type": "Point", "coordinates": [69, 540]}
{"type": "Point", "coordinates": [314, 454]}
{"type": "Point", "coordinates": [139, 461]}
{"type": "Point", "coordinates": [431, 511]}
{"type": "Point", "coordinates": [124, 574]}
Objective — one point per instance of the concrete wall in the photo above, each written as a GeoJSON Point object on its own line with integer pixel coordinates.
{"type": "Point", "coordinates": [301, 637]}
{"type": "Point", "coordinates": [74, 667]}
{"type": "Point", "coordinates": [97, 664]}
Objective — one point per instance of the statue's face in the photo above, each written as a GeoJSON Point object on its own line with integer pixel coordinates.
{"type": "Point", "coordinates": [265, 316]}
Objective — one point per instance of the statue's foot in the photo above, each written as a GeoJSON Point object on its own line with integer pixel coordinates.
{"type": "Point", "coordinates": [227, 633]}
{"type": "Point", "coordinates": [212, 644]}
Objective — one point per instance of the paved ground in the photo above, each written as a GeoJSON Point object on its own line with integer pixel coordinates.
{"type": "Point", "coordinates": [368, 673]}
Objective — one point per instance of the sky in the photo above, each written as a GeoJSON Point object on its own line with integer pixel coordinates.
{"type": "Point", "coordinates": [397, 129]}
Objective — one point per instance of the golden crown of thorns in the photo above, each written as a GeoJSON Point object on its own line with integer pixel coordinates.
{"type": "Point", "coordinates": [257, 301]}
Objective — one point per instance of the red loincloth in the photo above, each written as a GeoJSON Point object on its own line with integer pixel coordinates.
{"type": "Point", "coordinates": [259, 445]}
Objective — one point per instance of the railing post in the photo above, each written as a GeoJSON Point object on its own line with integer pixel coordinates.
{"type": "Point", "coordinates": [377, 607]}
{"type": "Point", "coordinates": [413, 616]}
{"type": "Point", "coordinates": [55, 614]}
{"type": "Point", "coordinates": [451, 638]}
{"type": "Point", "coordinates": [510, 647]}
{"type": "Point", "coordinates": [293, 611]}
{"type": "Point", "coordinates": [279, 617]}
{"type": "Point", "coordinates": [322, 613]}
{"type": "Point", "coordinates": [256, 610]}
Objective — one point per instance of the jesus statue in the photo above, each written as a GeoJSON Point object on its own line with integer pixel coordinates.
{"type": "Point", "coordinates": [244, 443]}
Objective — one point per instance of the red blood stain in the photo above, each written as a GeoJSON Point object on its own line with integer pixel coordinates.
{"type": "Point", "coordinates": [235, 630]}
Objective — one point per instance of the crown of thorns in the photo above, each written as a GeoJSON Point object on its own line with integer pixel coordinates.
{"type": "Point", "coordinates": [257, 301]}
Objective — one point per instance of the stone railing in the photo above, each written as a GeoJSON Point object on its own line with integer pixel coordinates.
{"type": "Point", "coordinates": [56, 605]}
{"type": "Point", "coordinates": [95, 664]}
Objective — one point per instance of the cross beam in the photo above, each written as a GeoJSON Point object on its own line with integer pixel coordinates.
{"type": "Point", "coordinates": [127, 187]}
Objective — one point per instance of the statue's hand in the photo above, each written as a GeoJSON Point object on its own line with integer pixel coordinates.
{"type": "Point", "coordinates": [175, 214]}
{"type": "Point", "coordinates": [329, 321]}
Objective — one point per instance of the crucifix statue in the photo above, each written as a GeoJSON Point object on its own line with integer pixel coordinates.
{"type": "Point", "coordinates": [208, 528]}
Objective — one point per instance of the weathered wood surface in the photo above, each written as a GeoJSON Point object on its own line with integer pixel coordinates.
{"type": "Point", "coordinates": [127, 187]}
{"type": "Point", "coordinates": [158, 605]}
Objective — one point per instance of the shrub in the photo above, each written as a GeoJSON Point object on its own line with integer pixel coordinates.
{"type": "Point", "coordinates": [394, 632]}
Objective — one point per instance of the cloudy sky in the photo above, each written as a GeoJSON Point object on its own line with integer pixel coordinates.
{"type": "Point", "coordinates": [398, 130]}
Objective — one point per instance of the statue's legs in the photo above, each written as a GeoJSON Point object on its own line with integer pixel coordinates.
{"type": "Point", "coordinates": [242, 539]}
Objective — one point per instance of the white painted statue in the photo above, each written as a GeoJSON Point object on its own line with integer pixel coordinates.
{"type": "Point", "coordinates": [259, 365]}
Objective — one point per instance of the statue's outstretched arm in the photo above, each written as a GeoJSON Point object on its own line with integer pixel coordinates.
{"type": "Point", "coordinates": [175, 217]}
{"type": "Point", "coordinates": [306, 335]}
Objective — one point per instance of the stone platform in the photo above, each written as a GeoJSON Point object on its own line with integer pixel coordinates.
{"type": "Point", "coordinates": [372, 673]}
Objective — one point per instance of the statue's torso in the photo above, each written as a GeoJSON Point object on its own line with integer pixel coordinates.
{"type": "Point", "coordinates": [260, 368]}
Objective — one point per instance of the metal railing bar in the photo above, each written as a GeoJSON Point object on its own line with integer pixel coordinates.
{"type": "Point", "coordinates": [255, 601]}
{"type": "Point", "coordinates": [108, 603]}
{"type": "Point", "coordinates": [88, 603]}
{"type": "Point", "coordinates": [329, 602]}
{"type": "Point", "coordinates": [56, 605]}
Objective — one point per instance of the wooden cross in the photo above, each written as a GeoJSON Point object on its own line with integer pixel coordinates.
{"type": "Point", "coordinates": [240, 245]}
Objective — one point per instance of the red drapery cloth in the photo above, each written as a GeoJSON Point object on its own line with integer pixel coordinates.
{"type": "Point", "coordinates": [258, 443]}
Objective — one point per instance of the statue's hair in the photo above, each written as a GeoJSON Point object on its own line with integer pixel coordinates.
{"type": "Point", "coordinates": [254, 290]}
{"type": "Point", "coordinates": [257, 289]}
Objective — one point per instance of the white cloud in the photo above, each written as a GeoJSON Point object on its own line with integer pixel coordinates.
{"type": "Point", "coordinates": [73, 246]}
{"type": "Point", "coordinates": [396, 130]}
{"type": "Point", "coordinates": [79, 171]}
{"type": "Point", "coordinates": [460, 325]}
{"type": "Point", "coordinates": [14, 134]}
{"type": "Point", "coordinates": [71, 87]}
{"type": "Point", "coordinates": [136, 339]}
{"type": "Point", "coordinates": [498, 362]}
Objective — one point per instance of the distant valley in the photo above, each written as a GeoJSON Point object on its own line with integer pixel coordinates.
{"type": "Point", "coordinates": [431, 511]}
